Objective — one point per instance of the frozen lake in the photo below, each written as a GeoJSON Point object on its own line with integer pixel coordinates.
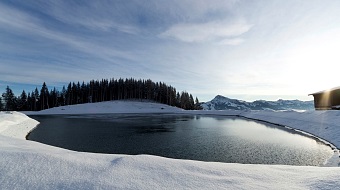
{"type": "Point", "coordinates": [205, 138]}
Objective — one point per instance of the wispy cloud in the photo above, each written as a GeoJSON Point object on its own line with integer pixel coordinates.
{"type": "Point", "coordinates": [24, 23]}
{"type": "Point", "coordinates": [208, 32]}
{"type": "Point", "coordinates": [94, 15]}
{"type": "Point", "coordinates": [231, 41]}
{"type": "Point", "coordinates": [55, 55]}
{"type": "Point", "coordinates": [11, 17]}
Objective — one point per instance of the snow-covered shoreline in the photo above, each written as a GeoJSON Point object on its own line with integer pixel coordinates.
{"type": "Point", "coordinates": [31, 165]}
{"type": "Point", "coordinates": [16, 125]}
{"type": "Point", "coordinates": [322, 124]}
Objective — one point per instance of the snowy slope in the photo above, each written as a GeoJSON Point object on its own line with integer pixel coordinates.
{"type": "Point", "coordinates": [109, 107]}
{"type": "Point", "coordinates": [223, 103]}
{"type": "Point", "coordinates": [32, 165]}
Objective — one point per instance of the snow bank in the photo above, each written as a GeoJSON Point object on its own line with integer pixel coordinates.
{"type": "Point", "coordinates": [15, 124]}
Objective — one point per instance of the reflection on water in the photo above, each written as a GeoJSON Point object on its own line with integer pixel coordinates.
{"type": "Point", "coordinates": [205, 138]}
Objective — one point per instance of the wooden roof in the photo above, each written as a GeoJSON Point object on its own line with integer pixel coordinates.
{"type": "Point", "coordinates": [324, 91]}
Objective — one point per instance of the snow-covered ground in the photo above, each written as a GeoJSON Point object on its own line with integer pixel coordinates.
{"type": "Point", "coordinates": [110, 107]}
{"type": "Point", "coordinates": [16, 125]}
{"type": "Point", "coordinates": [32, 165]}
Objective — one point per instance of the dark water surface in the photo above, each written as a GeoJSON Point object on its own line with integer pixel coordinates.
{"type": "Point", "coordinates": [205, 138]}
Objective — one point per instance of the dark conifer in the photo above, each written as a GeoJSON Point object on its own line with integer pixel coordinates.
{"type": "Point", "coordinates": [1, 104]}
{"type": "Point", "coordinates": [197, 105]}
{"type": "Point", "coordinates": [44, 94]}
{"type": "Point", "coordinates": [10, 100]}
{"type": "Point", "coordinates": [22, 102]}
{"type": "Point", "coordinates": [36, 100]}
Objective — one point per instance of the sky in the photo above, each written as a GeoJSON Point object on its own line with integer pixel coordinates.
{"type": "Point", "coordinates": [247, 50]}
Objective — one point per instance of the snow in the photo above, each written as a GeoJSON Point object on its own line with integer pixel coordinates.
{"type": "Point", "coordinates": [109, 107]}
{"type": "Point", "coordinates": [224, 103]}
{"type": "Point", "coordinates": [328, 90]}
{"type": "Point", "coordinates": [15, 124]}
{"type": "Point", "coordinates": [336, 107]}
{"type": "Point", "coordinates": [32, 165]}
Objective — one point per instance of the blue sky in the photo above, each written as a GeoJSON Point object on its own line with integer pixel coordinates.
{"type": "Point", "coordinates": [241, 49]}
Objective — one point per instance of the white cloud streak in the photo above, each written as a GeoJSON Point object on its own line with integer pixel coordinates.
{"type": "Point", "coordinates": [232, 41]}
{"type": "Point", "coordinates": [208, 32]}
{"type": "Point", "coordinates": [20, 21]}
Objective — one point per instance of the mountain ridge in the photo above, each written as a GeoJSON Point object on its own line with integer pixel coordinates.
{"type": "Point", "coordinates": [224, 103]}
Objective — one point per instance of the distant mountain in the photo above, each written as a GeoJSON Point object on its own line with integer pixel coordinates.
{"type": "Point", "coordinates": [223, 103]}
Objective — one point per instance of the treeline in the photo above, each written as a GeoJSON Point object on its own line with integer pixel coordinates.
{"type": "Point", "coordinates": [97, 91]}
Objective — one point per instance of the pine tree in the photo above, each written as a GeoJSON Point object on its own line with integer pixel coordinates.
{"type": "Point", "coordinates": [30, 102]}
{"type": "Point", "coordinates": [35, 96]}
{"type": "Point", "coordinates": [1, 104]}
{"type": "Point", "coordinates": [191, 102]}
{"type": "Point", "coordinates": [53, 98]}
{"type": "Point", "coordinates": [62, 96]}
{"type": "Point", "coordinates": [197, 105]}
{"type": "Point", "coordinates": [44, 94]}
{"type": "Point", "coordinates": [185, 101]}
{"type": "Point", "coordinates": [10, 99]}
{"type": "Point", "coordinates": [68, 94]}
{"type": "Point", "coordinates": [178, 100]}
{"type": "Point", "coordinates": [22, 101]}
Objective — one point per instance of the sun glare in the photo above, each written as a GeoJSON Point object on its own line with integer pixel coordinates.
{"type": "Point", "coordinates": [314, 64]}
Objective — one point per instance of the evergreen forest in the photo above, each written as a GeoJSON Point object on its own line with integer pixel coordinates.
{"type": "Point", "coordinates": [97, 91]}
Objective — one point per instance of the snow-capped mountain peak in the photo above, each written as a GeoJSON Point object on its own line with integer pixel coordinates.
{"type": "Point", "coordinates": [224, 103]}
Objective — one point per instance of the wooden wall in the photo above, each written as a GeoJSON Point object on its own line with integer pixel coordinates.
{"type": "Point", "coordinates": [326, 100]}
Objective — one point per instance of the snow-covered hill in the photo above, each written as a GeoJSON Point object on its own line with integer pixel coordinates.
{"type": "Point", "coordinates": [223, 103]}
{"type": "Point", "coordinates": [109, 107]}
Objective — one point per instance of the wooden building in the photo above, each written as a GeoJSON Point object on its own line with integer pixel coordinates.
{"type": "Point", "coordinates": [327, 99]}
